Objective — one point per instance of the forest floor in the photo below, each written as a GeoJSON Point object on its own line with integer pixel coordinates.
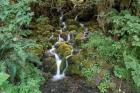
{"type": "Point", "coordinates": [68, 85]}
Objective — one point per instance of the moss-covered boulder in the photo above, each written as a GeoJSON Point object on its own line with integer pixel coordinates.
{"type": "Point", "coordinates": [64, 49]}
{"type": "Point", "coordinates": [49, 65]}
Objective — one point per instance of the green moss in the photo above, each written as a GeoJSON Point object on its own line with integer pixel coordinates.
{"type": "Point", "coordinates": [79, 36]}
{"type": "Point", "coordinates": [72, 27]}
{"type": "Point", "coordinates": [64, 49]}
{"type": "Point", "coordinates": [49, 65]}
{"type": "Point", "coordinates": [78, 39]}
{"type": "Point", "coordinates": [72, 22]}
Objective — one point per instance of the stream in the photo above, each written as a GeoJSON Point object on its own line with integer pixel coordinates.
{"type": "Point", "coordinates": [60, 83]}
{"type": "Point", "coordinates": [59, 75]}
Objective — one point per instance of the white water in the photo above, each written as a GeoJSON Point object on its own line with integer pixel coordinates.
{"type": "Point", "coordinates": [68, 37]}
{"type": "Point", "coordinates": [63, 22]}
{"type": "Point", "coordinates": [60, 39]}
{"type": "Point", "coordinates": [58, 75]}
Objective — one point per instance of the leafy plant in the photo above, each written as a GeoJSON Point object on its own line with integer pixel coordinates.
{"type": "Point", "coordinates": [105, 84]}
{"type": "Point", "coordinates": [105, 47]}
{"type": "Point", "coordinates": [125, 24]}
{"type": "Point", "coordinates": [120, 72]}
{"type": "Point", "coordinates": [3, 77]}
{"type": "Point", "coordinates": [103, 87]}
{"type": "Point", "coordinates": [132, 64]}
{"type": "Point", "coordinates": [128, 27]}
{"type": "Point", "coordinates": [14, 57]}
{"type": "Point", "coordinates": [91, 72]}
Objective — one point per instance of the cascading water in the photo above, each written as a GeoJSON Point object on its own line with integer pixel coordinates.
{"type": "Point", "coordinates": [83, 26]}
{"type": "Point", "coordinates": [58, 75]}
{"type": "Point", "coordinates": [60, 39]}
{"type": "Point", "coordinates": [68, 37]}
{"type": "Point", "coordinates": [62, 22]}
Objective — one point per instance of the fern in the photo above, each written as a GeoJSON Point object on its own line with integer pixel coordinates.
{"type": "Point", "coordinates": [14, 57]}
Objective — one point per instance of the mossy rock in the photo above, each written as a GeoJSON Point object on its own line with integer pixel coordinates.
{"type": "Point", "coordinates": [74, 70]}
{"type": "Point", "coordinates": [64, 49]}
{"type": "Point", "coordinates": [76, 58]}
{"type": "Point", "coordinates": [75, 65]}
{"type": "Point", "coordinates": [72, 22]}
{"type": "Point", "coordinates": [53, 40]}
{"type": "Point", "coordinates": [72, 27]}
{"type": "Point", "coordinates": [91, 29]}
{"type": "Point", "coordinates": [79, 36]}
{"type": "Point", "coordinates": [49, 65]}
{"type": "Point", "coordinates": [72, 31]}
{"type": "Point", "coordinates": [78, 39]}
{"type": "Point", "coordinates": [44, 29]}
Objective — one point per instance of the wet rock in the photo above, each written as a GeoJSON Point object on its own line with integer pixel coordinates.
{"type": "Point", "coordinates": [68, 85]}
{"type": "Point", "coordinates": [49, 65]}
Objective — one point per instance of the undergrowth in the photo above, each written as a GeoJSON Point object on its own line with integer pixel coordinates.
{"type": "Point", "coordinates": [18, 74]}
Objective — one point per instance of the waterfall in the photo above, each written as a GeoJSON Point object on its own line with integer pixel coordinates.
{"type": "Point", "coordinates": [62, 22]}
{"type": "Point", "coordinates": [58, 75]}
{"type": "Point", "coordinates": [60, 39]}
{"type": "Point", "coordinates": [68, 37]}
{"type": "Point", "coordinates": [83, 26]}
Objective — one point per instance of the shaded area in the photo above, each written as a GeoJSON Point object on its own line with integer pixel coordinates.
{"type": "Point", "coordinates": [68, 85]}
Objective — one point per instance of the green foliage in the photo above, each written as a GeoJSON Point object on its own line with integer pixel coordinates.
{"type": "Point", "coordinates": [106, 48]}
{"type": "Point", "coordinates": [91, 72]}
{"type": "Point", "coordinates": [124, 53]}
{"type": "Point", "coordinates": [103, 87]}
{"type": "Point", "coordinates": [29, 85]}
{"type": "Point", "coordinates": [125, 24]}
{"type": "Point", "coordinates": [120, 72]}
{"type": "Point", "coordinates": [105, 84]}
{"type": "Point", "coordinates": [3, 77]}
{"type": "Point", "coordinates": [132, 64]}
{"type": "Point", "coordinates": [97, 74]}
{"type": "Point", "coordinates": [128, 27]}
{"type": "Point", "coordinates": [14, 57]}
